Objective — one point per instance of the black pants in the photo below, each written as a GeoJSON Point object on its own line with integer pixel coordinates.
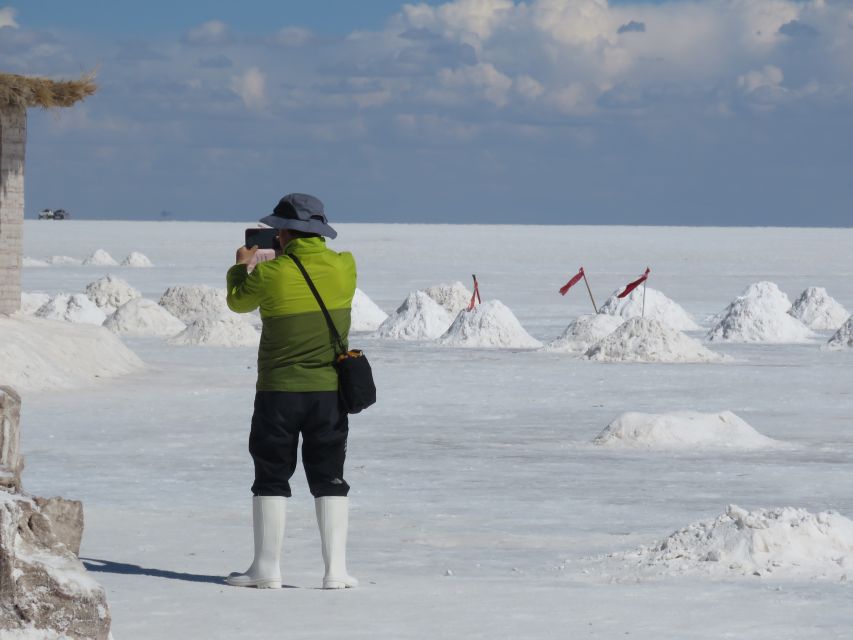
{"type": "Point", "coordinates": [279, 418]}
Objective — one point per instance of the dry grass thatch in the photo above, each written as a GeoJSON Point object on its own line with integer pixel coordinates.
{"type": "Point", "coordinates": [24, 91]}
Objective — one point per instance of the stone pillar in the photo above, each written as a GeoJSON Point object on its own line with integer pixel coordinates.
{"type": "Point", "coordinates": [11, 460]}
{"type": "Point", "coordinates": [13, 137]}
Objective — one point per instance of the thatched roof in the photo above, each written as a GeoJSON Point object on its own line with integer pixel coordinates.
{"type": "Point", "coordinates": [25, 91]}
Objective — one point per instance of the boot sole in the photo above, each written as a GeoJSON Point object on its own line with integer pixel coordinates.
{"type": "Point", "coordinates": [336, 584]}
{"type": "Point", "coordinates": [258, 584]}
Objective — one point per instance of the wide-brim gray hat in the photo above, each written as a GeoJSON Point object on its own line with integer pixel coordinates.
{"type": "Point", "coordinates": [300, 212]}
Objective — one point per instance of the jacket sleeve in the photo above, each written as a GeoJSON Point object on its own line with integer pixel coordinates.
{"type": "Point", "coordinates": [245, 289]}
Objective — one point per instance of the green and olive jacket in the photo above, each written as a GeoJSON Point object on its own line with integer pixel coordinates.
{"type": "Point", "coordinates": [296, 352]}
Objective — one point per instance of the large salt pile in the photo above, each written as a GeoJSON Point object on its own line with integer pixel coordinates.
{"type": "Point", "coordinates": [63, 260]}
{"type": "Point", "coordinates": [189, 302]}
{"type": "Point", "coordinates": [843, 338]}
{"type": "Point", "coordinates": [40, 354]}
{"type": "Point", "coordinates": [684, 430]}
{"type": "Point", "coordinates": [489, 325]}
{"type": "Point", "coordinates": [818, 310]}
{"type": "Point", "coordinates": [366, 315]}
{"type": "Point", "coordinates": [418, 318]}
{"type": "Point", "coordinates": [760, 314]}
{"type": "Point", "coordinates": [100, 258]}
{"type": "Point", "coordinates": [32, 302]}
{"type": "Point", "coordinates": [110, 292]}
{"type": "Point", "coordinates": [647, 340]}
{"type": "Point", "coordinates": [783, 542]}
{"type": "Point", "coordinates": [584, 332]}
{"type": "Point", "coordinates": [657, 306]}
{"type": "Point", "coordinates": [75, 308]}
{"type": "Point", "coordinates": [454, 296]}
{"type": "Point", "coordinates": [33, 262]}
{"type": "Point", "coordinates": [143, 317]}
{"type": "Point", "coordinates": [136, 259]}
{"type": "Point", "coordinates": [224, 331]}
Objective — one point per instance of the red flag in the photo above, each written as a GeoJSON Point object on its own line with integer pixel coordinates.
{"type": "Point", "coordinates": [565, 288]}
{"type": "Point", "coordinates": [633, 285]}
{"type": "Point", "coordinates": [475, 297]}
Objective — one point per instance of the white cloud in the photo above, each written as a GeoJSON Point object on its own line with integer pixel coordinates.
{"type": "Point", "coordinates": [212, 32]}
{"type": "Point", "coordinates": [7, 17]}
{"type": "Point", "coordinates": [251, 87]}
{"type": "Point", "coordinates": [483, 78]}
{"type": "Point", "coordinates": [768, 77]}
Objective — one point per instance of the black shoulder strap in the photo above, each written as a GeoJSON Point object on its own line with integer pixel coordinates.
{"type": "Point", "coordinates": [332, 328]}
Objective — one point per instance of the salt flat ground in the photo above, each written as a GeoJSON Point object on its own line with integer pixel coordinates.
{"type": "Point", "coordinates": [478, 503]}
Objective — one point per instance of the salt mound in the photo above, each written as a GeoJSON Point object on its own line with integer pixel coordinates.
{"type": "Point", "coordinates": [658, 307]}
{"type": "Point", "coordinates": [40, 354]}
{"type": "Point", "coordinates": [843, 338]}
{"type": "Point", "coordinates": [75, 308]}
{"type": "Point", "coordinates": [136, 259]}
{"type": "Point", "coordinates": [100, 258]}
{"type": "Point", "coordinates": [491, 325]}
{"type": "Point", "coordinates": [110, 292]}
{"type": "Point", "coordinates": [818, 310]}
{"type": "Point", "coordinates": [231, 331]}
{"type": "Point", "coordinates": [63, 260]}
{"type": "Point", "coordinates": [418, 318]}
{"type": "Point", "coordinates": [188, 302]}
{"type": "Point", "coordinates": [143, 317]}
{"type": "Point", "coordinates": [454, 297]}
{"type": "Point", "coordinates": [33, 262]}
{"type": "Point", "coordinates": [32, 302]}
{"type": "Point", "coordinates": [366, 315]}
{"type": "Point", "coordinates": [683, 430]}
{"type": "Point", "coordinates": [647, 340]}
{"type": "Point", "coordinates": [760, 314]}
{"type": "Point", "coordinates": [584, 332]}
{"type": "Point", "coordinates": [784, 542]}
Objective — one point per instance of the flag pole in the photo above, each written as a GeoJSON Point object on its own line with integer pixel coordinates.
{"type": "Point", "coordinates": [644, 299]}
{"type": "Point", "coordinates": [586, 282]}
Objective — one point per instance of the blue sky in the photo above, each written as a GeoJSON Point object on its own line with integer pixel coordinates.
{"type": "Point", "coordinates": [722, 112]}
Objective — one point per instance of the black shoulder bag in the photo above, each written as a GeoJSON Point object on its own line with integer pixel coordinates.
{"type": "Point", "coordinates": [355, 377]}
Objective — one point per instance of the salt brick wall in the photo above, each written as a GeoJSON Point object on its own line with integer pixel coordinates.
{"type": "Point", "coordinates": [13, 137]}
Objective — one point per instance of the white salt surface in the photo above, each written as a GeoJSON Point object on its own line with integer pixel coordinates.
{"type": "Point", "coordinates": [42, 354]}
{"type": "Point", "coordinates": [32, 302]}
{"type": "Point", "coordinates": [33, 262]}
{"type": "Point", "coordinates": [489, 325]}
{"type": "Point", "coordinates": [143, 317]}
{"type": "Point", "coordinates": [110, 292]}
{"type": "Point", "coordinates": [476, 462]}
{"type": "Point", "coordinates": [657, 307]}
{"type": "Point", "coordinates": [689, 430]}
{"type": "Point", "coordinates": [647, 340]}
{"type": "Point", "coordinates": [454, 297]}
{"type": "Point", "coordinates": [228, 331]}
{"type": "Point", "coordinates": [818, 310]}
{"type": "Point", "coordinates": [189, 302]}
{"type": "Point", "coordinates": [843, 338]}
{"type": "Point", "coordinates": [63, 260]}
{"type": "Point", "coordinates": [366, 314]}
{"type": "Point", "coordinates": [100, 258]}
{"type": "Point", "coordinates": [583, 332]}
{"type": "Point", "coordinates": [71, 308]}
{"type": "Point", "coordinates": [136, 259]}
{"type": "Point", "coordinates": [760, 314]}
{"type": "Point", "coordinates": [418, 318]}
{"type": "Point", "coordinates": [770, 543]}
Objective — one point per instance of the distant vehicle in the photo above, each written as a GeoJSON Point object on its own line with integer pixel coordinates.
{"type": "Point", "coordinates": [50, 214]}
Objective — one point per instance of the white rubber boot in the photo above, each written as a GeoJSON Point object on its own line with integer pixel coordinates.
{"type": "Point", "coordinates": [268, 514]}
{"type": "Point", "coordinates": [333, 519]}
